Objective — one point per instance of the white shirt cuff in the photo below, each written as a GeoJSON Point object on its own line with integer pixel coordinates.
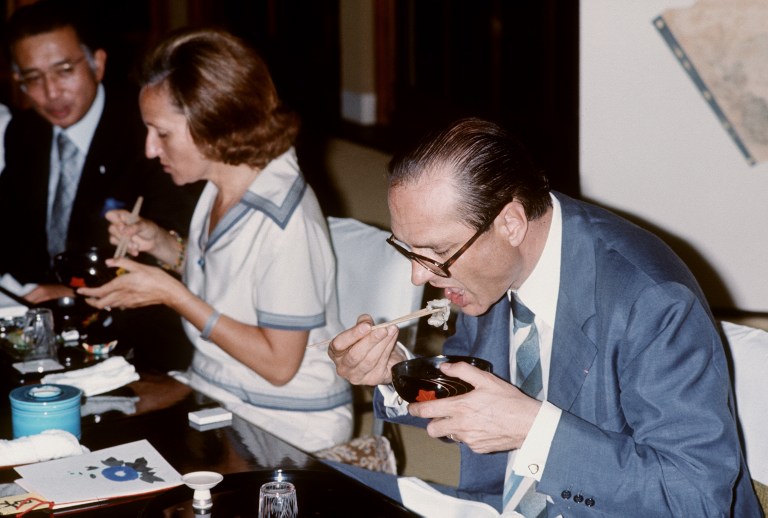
{"type": "Point", "coordinates": [531, 458]}
{"type": "Point", "coordinates": [394, 405]}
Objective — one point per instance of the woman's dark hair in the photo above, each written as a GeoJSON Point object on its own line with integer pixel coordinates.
{"type": "Point", "coordinates": [488, 165]}
{"type": "Point", "coordinates": [225, 91]}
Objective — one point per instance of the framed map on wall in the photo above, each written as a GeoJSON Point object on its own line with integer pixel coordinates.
{"type": "Point", "coordinates": [723, 47]}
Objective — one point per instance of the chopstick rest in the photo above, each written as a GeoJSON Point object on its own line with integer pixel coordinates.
{"type": "Point", "coordinates": [438, 309]}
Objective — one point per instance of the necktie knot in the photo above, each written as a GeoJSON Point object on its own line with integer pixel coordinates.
{"type": "Point", "coordinates": [523, 316]}
{"type": "Point", "coordinates": [67, 149]}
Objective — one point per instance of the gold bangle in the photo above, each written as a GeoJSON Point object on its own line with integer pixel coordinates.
{"type": "Point", "coordinates": [182, 252]}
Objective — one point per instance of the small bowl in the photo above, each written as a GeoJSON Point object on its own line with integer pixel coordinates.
{"type": "Point", "coordinates": [420, 379]}
{"type": "Point", "coordinates": [79, 268]}
{"type": "Point", "coordinates": [100, 349]}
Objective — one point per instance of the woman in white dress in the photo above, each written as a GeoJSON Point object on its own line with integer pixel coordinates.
{"type": "Point", "coordinates": [258, 270]}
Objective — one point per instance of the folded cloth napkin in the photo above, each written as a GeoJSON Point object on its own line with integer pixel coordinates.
{"type": "Point", "coordinates": [420, 497]}
{"type": "Point", "coordinates": [8, 282]}
{"type": "Point", "coordinates": [47, 445]}
{"type": "Point", "coordinates": [108, 375]}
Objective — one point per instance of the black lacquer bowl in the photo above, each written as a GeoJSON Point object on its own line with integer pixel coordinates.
{"type": "Point", "coordinates": [68, 312]}
{"type": "Point", "coordinates": [420, 379]}
{"type": "Point", "coordinates": [80, 268]}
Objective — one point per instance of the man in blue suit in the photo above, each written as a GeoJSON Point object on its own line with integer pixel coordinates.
{"type": "Point", "coordinates": [635, 415]}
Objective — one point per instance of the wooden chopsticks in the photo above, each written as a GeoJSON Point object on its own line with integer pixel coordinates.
{"type": "Point", "coordinates": [410, 316]}
{"type": "Point", "coordinates": [122, 246]}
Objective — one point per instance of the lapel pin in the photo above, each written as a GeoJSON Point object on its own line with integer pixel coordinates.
{"type": "Point", "coordinates": [102, 169]}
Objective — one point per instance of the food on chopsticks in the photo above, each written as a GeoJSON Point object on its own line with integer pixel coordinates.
{"type": "Point", "coordinates": [438, 309]}
{"type": "Point", "coordinates": [441, 317]}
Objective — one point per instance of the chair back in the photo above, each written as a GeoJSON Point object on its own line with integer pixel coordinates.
{"type": "Point", "coordinates": [372, 277]}
{"type": "Point", "coordinates": [749, 352]}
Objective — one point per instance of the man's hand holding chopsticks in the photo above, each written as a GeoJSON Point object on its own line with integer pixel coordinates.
{"type": "Point", "coordinates": [365, 356]}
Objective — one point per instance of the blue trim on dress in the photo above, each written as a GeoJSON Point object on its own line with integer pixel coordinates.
{"type": "Point", "coordinates": [280, 214]}
{"type": "Point", "coordinates": [275, 402]}
{"type": "Point", "coordinates": [290, 322]}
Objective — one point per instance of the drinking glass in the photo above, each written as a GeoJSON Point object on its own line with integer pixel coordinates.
{"type": "Point", "coordinates": [38, 334]}
{"type": "Point", "coordinates": [278, 500]}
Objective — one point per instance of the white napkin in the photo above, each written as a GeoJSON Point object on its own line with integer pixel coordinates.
{"type": "Point", "coordinates": [420, 497]}
{"type": "Point", "coordinates": [47, 445]}
{"type": "Point", "coordinates": [8, 282]}
{"type": "Point", "coordinates": [108, 375]}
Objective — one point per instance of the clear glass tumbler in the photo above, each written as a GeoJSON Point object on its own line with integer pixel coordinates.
{"type": "Point", "coordinates": [278, 500]}
{"type": "Point", "coordinates": [38, 334]}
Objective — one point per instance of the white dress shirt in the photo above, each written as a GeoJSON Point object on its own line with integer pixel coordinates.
{"type": "Point", "coordinates": [539, 293]}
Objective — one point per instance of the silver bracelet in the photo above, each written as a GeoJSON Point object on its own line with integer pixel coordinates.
{"type": "Point", "coordinates": [206, 334]}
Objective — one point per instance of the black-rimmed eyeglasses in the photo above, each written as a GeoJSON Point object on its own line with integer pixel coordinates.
{"type": "Point", "coordinates": [433, 266]}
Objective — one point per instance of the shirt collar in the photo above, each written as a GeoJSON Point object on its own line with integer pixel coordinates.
{"type": "Point", "coordinates": [81, 132]}
{"type": "Point", "coordinates": [540, 290]}
{"type": "Point", "coordinates": [278, 189]}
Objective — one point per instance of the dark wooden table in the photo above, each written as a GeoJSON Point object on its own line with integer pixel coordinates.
{"type": "Point", "coordinates": [244, 453]}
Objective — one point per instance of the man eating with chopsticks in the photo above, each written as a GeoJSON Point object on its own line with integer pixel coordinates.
{"type": "Point", "coordinates": [610, 393]}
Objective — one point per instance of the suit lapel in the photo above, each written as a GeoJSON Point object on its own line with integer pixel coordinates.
{"type": "Point", "coordinates": [573, 352]}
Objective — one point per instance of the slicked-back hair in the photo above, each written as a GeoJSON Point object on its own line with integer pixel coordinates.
{"type": "Point", "coordinates": [225, 91]}
{"type": "Point", "coordinates": [487, 165]}
{"type": "Point", "coordinates": [46, 16]}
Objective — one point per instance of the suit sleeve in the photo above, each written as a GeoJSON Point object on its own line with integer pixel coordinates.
{"type": "Point", "coordinates": [669, 447]}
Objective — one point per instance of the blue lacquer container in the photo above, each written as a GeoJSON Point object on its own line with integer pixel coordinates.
{"type": "Point", "coordinates": [35, 408]}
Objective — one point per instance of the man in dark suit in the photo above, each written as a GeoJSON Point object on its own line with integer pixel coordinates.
{"type": "Point", "coordinates": [632, 414]}
{"type": "Point", "coordinates": [53, 198]}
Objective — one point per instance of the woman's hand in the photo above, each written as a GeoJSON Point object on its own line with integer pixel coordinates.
{"type": "Point", "coordinates": [140, 285]}
{"type": "Point", "coordinates": [143, 235]}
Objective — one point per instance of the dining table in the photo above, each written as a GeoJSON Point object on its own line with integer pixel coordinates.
{"type": "Point", "coordinates": [246, 455]}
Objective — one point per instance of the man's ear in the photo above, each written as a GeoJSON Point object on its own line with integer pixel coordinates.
{"type": "Point", "coordinates": [513, 221]}
{"type": "Point", "coordinates": [99, 64]}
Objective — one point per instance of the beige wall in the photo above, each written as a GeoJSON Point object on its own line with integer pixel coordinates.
{"type": "Point", "coordinates": [357, 45]}
{"type": "Point", "coordinates": [358, 78]}
{"type": "Point", "coordinates": [652, 147]}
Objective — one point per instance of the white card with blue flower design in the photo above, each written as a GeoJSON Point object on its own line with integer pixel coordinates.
{"type": "Point", "coordinates": [129, 469]}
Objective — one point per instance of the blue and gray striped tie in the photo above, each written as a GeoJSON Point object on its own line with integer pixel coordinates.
{"type": "Point", "coordinates": [528, 378]}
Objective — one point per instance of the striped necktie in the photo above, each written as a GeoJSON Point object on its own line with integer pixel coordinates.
{"type": "Point", "coordinates": [528, 378]}
{"type": "Point", "coordinates": [64, 197]}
